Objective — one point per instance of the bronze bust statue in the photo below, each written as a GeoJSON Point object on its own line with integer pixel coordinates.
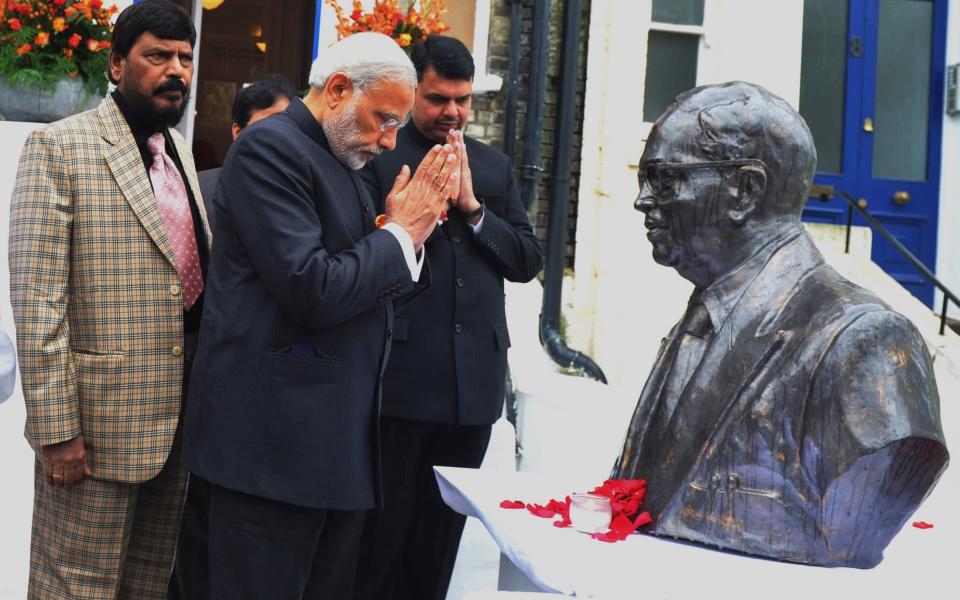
{"type": "Point", "coordinates": [790, 414]}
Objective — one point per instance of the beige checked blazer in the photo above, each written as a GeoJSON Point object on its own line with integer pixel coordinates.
{"type": "Point", "coordinates": [95, 294]}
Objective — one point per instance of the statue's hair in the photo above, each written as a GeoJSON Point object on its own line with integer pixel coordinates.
{"type": "Point", "coordinates": [366, 58]}
{"type": "Point", "coordinates": [743, 120]}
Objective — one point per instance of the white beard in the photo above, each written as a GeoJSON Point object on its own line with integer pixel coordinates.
{"type": "Point", "coordinates": [345, 140]}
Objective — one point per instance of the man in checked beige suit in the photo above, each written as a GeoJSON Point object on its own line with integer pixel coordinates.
{"type": "Point", "coordinates": [108, 244]}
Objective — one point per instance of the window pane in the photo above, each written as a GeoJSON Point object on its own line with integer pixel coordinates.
{"type": "Point", "coordinates": [903, 90]}
{"type": "Point", "coordinates": [681, 12]}
{"type": "Point", "coordinates": [822, 78]}
{"type": "Point", "coordinates": [671, 69]}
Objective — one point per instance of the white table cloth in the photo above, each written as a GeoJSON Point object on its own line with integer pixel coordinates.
{"type": "Point", "coordinates": [918, 563]}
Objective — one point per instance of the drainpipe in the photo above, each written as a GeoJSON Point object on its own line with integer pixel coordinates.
{"type": "Point", "coordinates": [536, 95]}
{"type": "Point", "coordinates": [513, 80]}
{"type": "Point", "coordinates": [550, 335]}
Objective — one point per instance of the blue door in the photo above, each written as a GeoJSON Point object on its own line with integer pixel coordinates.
{"type": "Point", "coordinates": [872, 92]}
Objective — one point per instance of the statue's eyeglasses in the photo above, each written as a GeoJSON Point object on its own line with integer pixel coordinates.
{"type": "Point", "coordinates": [658, 174]}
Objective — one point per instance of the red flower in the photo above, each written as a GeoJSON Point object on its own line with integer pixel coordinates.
{"type": "Point", "coordinates": [24, 49]}
{"type": "Point", "coordinates": [512, 504]}
{"type": "Point", "coordinates": [93, 45]}
{"type": "Point", "coordinates": [74, 40]}
{"type": "Point", "coordinates": [922, 525]}
{"type": "Point", "coordinates": [14, 24]}
{"type": "Point", "coordinates": [42, 39]}
{"type": "Point", "coordinates": [96, 4]}
{"type": "Point", "coordinates": [59, 24]}
{"type": "Point", "coordinates": [59, 2]}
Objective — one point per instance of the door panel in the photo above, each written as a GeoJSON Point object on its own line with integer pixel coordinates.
{"type": "Point", "coordinates": [894, 59]}
{"type": "Point", "coordinates": [823, 79]}
{"type": "Point", "coordinates": [901, 112]}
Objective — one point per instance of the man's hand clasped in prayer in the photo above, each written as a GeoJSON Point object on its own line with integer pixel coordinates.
{"type": "Point", "coordinates": [467, 202]}
{"type": "Point", "coordinates": [415, 203]}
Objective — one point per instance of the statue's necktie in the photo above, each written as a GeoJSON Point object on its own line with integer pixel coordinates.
{"type": "Point", "coordinates": [664, 432]}
{"type": "Point", "coordinates": [174, 205]}
{"type": "Point", "coordinates": [696, 333]}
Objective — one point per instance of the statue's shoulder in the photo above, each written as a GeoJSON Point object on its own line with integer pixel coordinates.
{"type": "Point", "coordinates": [879, 371]}
{"type": "Point", "coordinates": [821, 303]}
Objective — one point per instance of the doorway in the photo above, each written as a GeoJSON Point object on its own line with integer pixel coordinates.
{"type": "Point", "coordinates": [241, 42]}
{"type": "Point", "coordinates": [872, 93]}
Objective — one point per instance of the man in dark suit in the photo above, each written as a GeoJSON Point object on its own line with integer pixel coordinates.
{"type": "Point", "coordinates": [790, 413]}
{"type": "Point", "coordinates": [444, 386]}
{"type": "Point", "coordinates": [252, 103]}
{"type": "Point", "coordinates": [257, 101]}
{"type": "Point", "coordinates": [283, 416]}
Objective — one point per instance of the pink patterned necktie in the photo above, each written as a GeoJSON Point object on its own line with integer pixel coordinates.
{"type": "Point", "coordinates": [174, 207]}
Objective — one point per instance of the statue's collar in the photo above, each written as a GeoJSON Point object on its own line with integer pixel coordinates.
{"type": "Point", "coordinates": [723, 294]}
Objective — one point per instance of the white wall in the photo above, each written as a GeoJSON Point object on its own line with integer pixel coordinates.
{"type": "Point", "coordinates": [623, 302]}
{"type": "Point", "coordinates": [948, 250]}
{"type": "Point", "coordinates": [753, 40]}
{"type": "Point", "coordinates": [16, 462]}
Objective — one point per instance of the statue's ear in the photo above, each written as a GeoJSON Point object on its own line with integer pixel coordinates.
{"type": "Point", "coordinates": [751, 185]}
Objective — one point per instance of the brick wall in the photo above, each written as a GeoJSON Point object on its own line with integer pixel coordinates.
{"type": "Point", "coordinates": [487, 122]}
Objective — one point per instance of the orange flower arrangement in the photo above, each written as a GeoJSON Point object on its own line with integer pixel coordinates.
{"type": "Point", "coordinates": [43, 41]}
{"type": "Point", "coordinates": [407, 27]}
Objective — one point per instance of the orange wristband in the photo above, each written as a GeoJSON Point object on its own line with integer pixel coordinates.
{"type": "Point", "coordinates": [380, 221]}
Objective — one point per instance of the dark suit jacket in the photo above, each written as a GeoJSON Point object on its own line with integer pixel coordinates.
{"type": "Point", "coordinates": [284, 397]}
{"type": "Point", "coordinates": [449, 357]}
{"type": "Point", "coordinates": [208, 185]}
{"type": "Point", "coordinates": [807, 443]}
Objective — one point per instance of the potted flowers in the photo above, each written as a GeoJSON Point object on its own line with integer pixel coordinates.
{"type": "Point", "coordinates": [406, 26]}
{"type": "Point", "coordinates": [53, 57]}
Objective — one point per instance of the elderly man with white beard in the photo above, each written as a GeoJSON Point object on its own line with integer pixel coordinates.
{"type": "Point", "coordinates": [282, 421]}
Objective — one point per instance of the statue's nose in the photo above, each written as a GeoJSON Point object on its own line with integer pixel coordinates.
{"type": "Point", "coordinates": [644, 201]}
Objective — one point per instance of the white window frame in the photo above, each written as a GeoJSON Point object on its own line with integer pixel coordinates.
{"type": "Point", "coordinates": [697, 30]}
{"type": "Point", "coordinates": [482, 80]}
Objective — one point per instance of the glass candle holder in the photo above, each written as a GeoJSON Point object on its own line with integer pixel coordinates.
{"type": "Point", "coordinates": [590, 513]}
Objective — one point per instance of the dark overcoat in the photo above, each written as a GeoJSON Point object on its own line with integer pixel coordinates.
{"type": "Point", "coordinates": [284, 396]}
{"type": "Point", "coordinates": [449, 357]}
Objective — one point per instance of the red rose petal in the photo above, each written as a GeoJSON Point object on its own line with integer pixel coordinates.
{"type": "Point", "coordinates": [922, 525]}
{"type": "Point", "coordinates": [642, 519]}
{"type": "Point", "coordinates": [626, 498]}
{"type": "Point", "coordinates": [541, 511]}
{"type": "Point", "coordinates": [621, 524]}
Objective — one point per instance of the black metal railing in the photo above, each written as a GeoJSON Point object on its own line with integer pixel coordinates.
{"type": "Point", "coordinates": [877, 226]}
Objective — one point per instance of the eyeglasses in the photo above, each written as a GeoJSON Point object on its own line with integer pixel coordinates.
{"type": "Point", "coordinates": [388, 122]}
{"type": "Point", "coordinates": [658, 174]}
